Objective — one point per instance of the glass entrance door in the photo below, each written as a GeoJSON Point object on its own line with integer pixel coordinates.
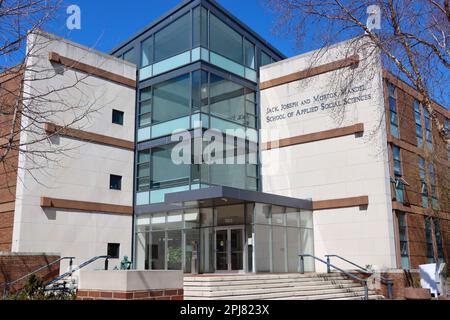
{"type": "Point", "coordinates": [229, 249]}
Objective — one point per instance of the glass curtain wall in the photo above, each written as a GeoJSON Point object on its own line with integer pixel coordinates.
{"type": "Point", "coordinates": [262, 238]}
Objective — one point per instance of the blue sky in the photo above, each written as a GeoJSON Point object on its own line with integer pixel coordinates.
{"type": "Point", "coordinates": [104, 24]}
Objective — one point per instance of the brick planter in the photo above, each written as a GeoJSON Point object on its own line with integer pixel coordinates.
{"type": "Point", "coordinates": [417, 294]}
{"type": "Point", "coordinates": [166, 294]}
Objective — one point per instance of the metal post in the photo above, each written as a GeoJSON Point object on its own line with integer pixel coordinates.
{"type": "Point", "coordinates": [366, 291]}
{"type": "Point", "coordinates": [70, 264]}
{"type": "Point", "coordinates": [389, 288]}
{"type": "Point", "coordinates": [302, 265]}
{"type": "Point", "coordinates": [106, 264]}
{"type": "Point", "coordinates": [328, 264]}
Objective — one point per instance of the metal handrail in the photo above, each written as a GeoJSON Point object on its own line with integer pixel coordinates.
{"type": "Point", "coordinates": [84, 264]}
{"type": "Point", "coordinates": [389, 283]}
{"type": "Point", "coordinates": [7, 284]}
{"type": "Point", "coordinates": [364, 281]}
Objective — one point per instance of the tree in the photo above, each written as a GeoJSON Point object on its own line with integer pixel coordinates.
{"type": "Point", "coordinates": [413, 39]}
{"type": "Point", "coordinates": [27, 99]}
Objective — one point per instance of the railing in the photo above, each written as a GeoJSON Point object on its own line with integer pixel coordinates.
{"type": "Point", "coordinates": [348, 274]}
{"type": "Point", "coordinates": [388, 282]}
{"type": "Point", "coordinates": [6, 285]}
{"type": "Point", "coordinates": [84, 264]}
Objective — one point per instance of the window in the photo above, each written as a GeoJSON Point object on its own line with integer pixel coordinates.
{"type": "Point", "coordinates": [165, 173]}
{"type": "Point", "coordinates": [428, 136]}
{"type": "Point", "coordinates": [399, 186]}
{"type": "Point", "coordinates": [265, 59]}
{"type": "Point", "coordinates": [249, 54]}
{"type": "Point", "coordinates": [434, 196]}
{"type": "Point", "coordinates": [393, 110]}
{"type": "Point", "coordinates": [171, 99]}
{"type": "Point", "coordinates": [113, 250]}
{"type": "Point", "coordinates": [173, 39]}
{"type": "Point", "coordinates": [129, 56]}
{"type": "Point", "coordinates": [200, 91]}
{"type": "Point", "coordinates": [429, 240]}
{"type": "Point", "coordinates": [424, 188]}
{"type": "Point", "coordinates": [115, 182]}
{"type": "Point", "coordinates": [143, 171]}
{"type": "Point", "coordinates": [200, 32]}
{"type": "Point", "coordinates": [147, 52]}
{"type": "Point", "coordinates": [225, 41]}
{"type": "Point", "coordinates": [403, 237]}
{"type": "Point", "coordinates": [117, 117]}
{"type": "Point", "coordinates": [145, 107]}
{"type": "Point", "coordinates": [231, 101]}
{"type": "Point", "coordinates": [438, 236]}
{"type": "Point", "coordinates": [418, 118]}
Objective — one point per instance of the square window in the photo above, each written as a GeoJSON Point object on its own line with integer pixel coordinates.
{"type": "Point", "coordinates": [113, 250]}
{"type": "Point", "coordinates": [115, 182]}
{"type": "Point", "coordinates": [117, 117]}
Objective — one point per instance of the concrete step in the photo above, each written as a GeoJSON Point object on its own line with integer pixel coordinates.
{"type": "Point", "coordinates": [265, 277]}
{"type": "Point", "coordinates": [287, 290]}
{"type": "Point", "coordinates": [293, 285]}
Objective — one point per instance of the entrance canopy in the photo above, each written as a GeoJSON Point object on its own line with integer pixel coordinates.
{"type": "Point", "coordinates": [220, 196]}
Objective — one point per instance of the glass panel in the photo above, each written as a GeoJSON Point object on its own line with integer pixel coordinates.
{"type": "Point", "coordinates": [307, 246]}
{"type": "Point", "coordinates": [145, 119]}
{"type": "Point", "coordinates": [130, 56]}
{"type": "Point", "coordinates": [146, 72]}
{"type": "Point", "coordinates": [196, 33]}
{"type": "Point", "coordinates": [172, 63]}
{"type": "Point", "coordinates": [221, 249]}
{"type": "Point", "coordinates": [191, 248]}
{"type": "Point", "coordinates": [142, 198]}
{"type": "Point", "coordinates": [164, 171]}
{"type": "Point", "coordinates": [157, 196]}
{"type": "Point", "coordinates": [171, 99]}
{"type": "Point", "coordinates": [265, 59]}
{"type": "Point", "coordinates": [291, 217]}
{"type": "Point", "coordinates": [277, 215]}
{"type": "Point", "coordinates": [173, 39]}
{"type": "Point", "coordinates": [230, 215]}
{"type": "Point", "coordinates": [168, 127]}
{"type": "Point", "coordinates": [262, 248]}
{"type": "Point", "coordinates": [207, 250]}
{"type": "Point", "coordinates": [236, 247]}
{"type": "Point", "coordinates": [262, 213]}
{"type": "Point", "coordinates": [227, 64]}
{"type": "Point", "coordinates": [278, 255]}
{"type": "Point", "coordinates": [199, 90]}
{"type": "Point", "coordinates": [158, 251]}
{"type": "Point", "coordinates": [224, 40]}
{"type": "Point", "coordinates": [174, 250]}
{"type": "Point", "coordinates": [249, 52]}
{"type": "Point", "coordinates": [147, 52]}
{"type": "Point", "coordinates": [228, 175]}
{"type": "Point", "coordinates": [293, 249]}
{"type": "Point", "coordinates": [174, 220]}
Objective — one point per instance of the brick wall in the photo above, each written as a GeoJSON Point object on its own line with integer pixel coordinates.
{"type": "Point", "coordinates": [410, 153]}
{"type": "Point", "coordinates": [16, 265]}
{"type": "Point", "coordinates": [10, 85]}
{"type": "Point", "coordinates": [166, 294]}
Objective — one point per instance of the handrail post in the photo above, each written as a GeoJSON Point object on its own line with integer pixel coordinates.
{"type": "Point", "coordinates": [366, 290]}
{"type": "Point", "coordinates": [328, 264]}
{"type": "Point", "coordinates": [302, 265]}
{"type": "Point", "coordinates": [106, 263]}
{"type": "Point", "coordinates": [389, 288]}
{"type": "Point", "coordinates": [70, 264]}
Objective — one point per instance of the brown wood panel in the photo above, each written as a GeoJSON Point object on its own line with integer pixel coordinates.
{"type": "Point", "coordinates": [314, 71]}
{"type": "Point", "coordinates": [77, 65]}
{"type": "Point", "coordinates": [316, 136]}
{"type": "Point", "coordinates": [85, 206]}
{"type": "Point", "coordinates": [52, 128]}
{"type": "Point", "coordinates": [341, 203]}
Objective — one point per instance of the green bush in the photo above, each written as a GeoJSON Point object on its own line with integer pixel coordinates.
{"type": "Point", "coordinates": [34, 289]}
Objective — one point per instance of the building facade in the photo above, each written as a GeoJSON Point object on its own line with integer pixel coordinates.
{"type": "Point", "coordinates": [209, 151]}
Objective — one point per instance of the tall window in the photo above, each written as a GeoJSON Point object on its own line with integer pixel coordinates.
{"type": "Point", "coordinates": [145, 107]}
{"type": "Point", "coordinates": [418, 118]}
{"type": "Point", "coordinates": [200, 31]}
{"type": "Point", "coordinates": [438, 236]}
{"type": "Point", "coordinates": [164, 172]}
{"type": "Point", "coordinates": [129, 56]}
{"type": "Point", "coordinates": [173, 39]}
{"type": "Point", "coordinates": [429, 239]}
{"type": "Point", "coordinates": [225, 41]}
{"type": "Point", "coordinates": [249, 54]}
{"type": "Point", "coordinates": [143, 171]}
{"type": "Point", "coordinates": [423, 183]}
{"type": "Point", "coordinates": [399, 186]}
{"type": "Point", "coordinates": [403, 237]}
{"type": "Point", "coordinates": [434, 195]}
{"type": "Point", "coordinates": [428, 136]}
{"type": "Point", "coordinates": [171, 99]}
{"type": "Point", "coordinates": [147, 52]}
{"type": "Point", "coordinates": [393, 110]}
{"type": "Point", "coordinates": [265, 59]}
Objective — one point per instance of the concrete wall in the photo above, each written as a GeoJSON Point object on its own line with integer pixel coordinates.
{"type": "Point", "coordinates": [79, 170]}
{"type": "Point", "coordinates": [340, 167]}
